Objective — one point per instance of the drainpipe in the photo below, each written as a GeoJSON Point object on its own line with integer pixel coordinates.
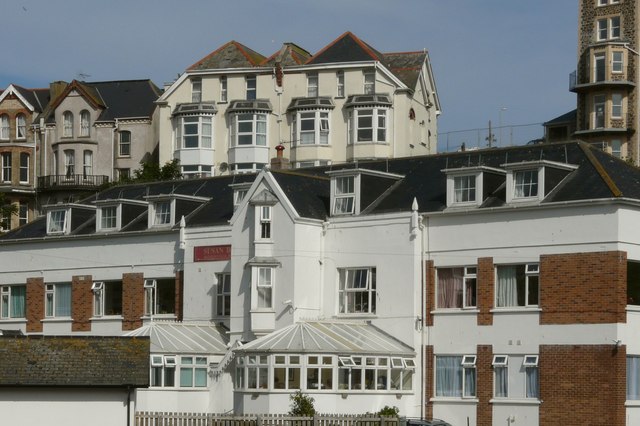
{"type": "Point", "coordinates": [113, 149]}
{"type": "Point", "coordinates": [128, 405]}
{"type": "Point", "coordinates": [423, 302]}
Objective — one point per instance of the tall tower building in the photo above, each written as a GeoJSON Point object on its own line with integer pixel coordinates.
{"type": "Point", "coordinates": [606, 77]}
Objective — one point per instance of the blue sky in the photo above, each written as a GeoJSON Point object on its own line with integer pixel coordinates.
{"type": "Point", "coordinates": [507, 61]}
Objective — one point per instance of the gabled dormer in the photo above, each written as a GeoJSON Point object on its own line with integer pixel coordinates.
{"type": "Point", "coordinates": [64, 219]}
{"type": "Point", "coordinates": [165, 210]}
{"type": "Point", "coordinates": [115, 214]}
{"type": "Point", "coordinates": [353, 190]}
{"type": "Point", "coordinates": [470, 186]}
{"type": "Point", "coordinates": [532, 181]}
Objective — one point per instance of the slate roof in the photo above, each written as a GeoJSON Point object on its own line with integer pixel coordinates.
{"type": "Point", "coordinates": [568, 117]}
{"type": "Point", "coordinates": [74, 361]}
{"type": "Point", "coordinates": [230, 55]}
{"type": "Point", "coordinates": [38, 98]}
{"type": "Point", "coordinates": [289, 55]}
{"type": "Point", "coordinates": [346, 48]}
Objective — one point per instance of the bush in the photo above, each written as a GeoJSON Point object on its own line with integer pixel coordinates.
{"type": "Point", "coordinates": [301, 405]}
{"type": "Point", "coordinates": [389, 411]}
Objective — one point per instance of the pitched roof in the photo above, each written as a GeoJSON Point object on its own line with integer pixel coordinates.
{"type": "Point", "coordinates": [289, 54]}
{"type": "Point", "coordinates": [87, 361]}
{"type": "Point", "coordinates": [184, 338]}
{"type": "Point", "coordinates": [346, 48]}
{"type": "Point", "coordinates": [567, 117]}
{"type": "Point", "coordinates": [229, 55]}
{"type": "Point", "coordinates": [406, 66]}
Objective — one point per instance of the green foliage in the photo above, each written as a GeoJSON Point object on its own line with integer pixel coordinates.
{"type": "Point", "coordinates": [301, 405]}
{"type": "Point", "coordinates": [6, 211]}
{"type": "Point", "coordinates": [389, 411]}
{"type": "Point", "coordinates": [151, 171]}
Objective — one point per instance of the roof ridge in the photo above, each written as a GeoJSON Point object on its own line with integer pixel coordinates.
{"type": "Point", "coordinates": [600, 169]}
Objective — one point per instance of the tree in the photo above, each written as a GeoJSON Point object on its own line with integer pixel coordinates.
{"type": "Point", "coordinates": [301, 405]}
{"type": "Point", "coordinates": [6, 211]}
{"type": "Point", "coordinates": [151, 171]}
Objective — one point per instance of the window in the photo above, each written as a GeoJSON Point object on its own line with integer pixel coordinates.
{"type": "Point", "coordinates": [108, 217]}
{"type": "Point", "coordinates": [633, 378]}
{"type": "Point", "coordinates": [159, 296]}
{"type": "Point", "coordinates": [257, 371]}
{"type": "Point", "coordinates": [456, 287]}
{"type": "Point", "coordinates": [57, 222]}
{"type": "Point", "coordinates": [608, 28]}
{"type": "Point", "coordinates": [616, 105]}
{"type": "Point", "coordinates": [633, 283]}
{"type": "Point", "coordinates": [312, 85]}
{"type": "Point", "coordinates": [369, 82]}
{"type": "Point", "coordinates": [57, 300]}
{"type": "Point", "coordinates": [193, 171]}
{"type": "Point", "coordinates": [67, 124]}
{"type": "Point", "coordinates": [265, 223]}
{"type": "Point", "coordinates": [223, 295]}
{"type": "Point", "coordinates": [455, 379]}
{"type": "Point", "coordinates": [368, 125]}
{"type": "Point", "coordinates": [6, 167]}
{"type": "Point", "coordinates": [249, 129]}
{"type": "Point", "coordinates": [501, 376]}
{"type": "Point", "coordinates": [162, 213]}
{"type": "Point", "coordinates": [107, 298]}
{"type": "Point", "coordinates": [21, 126]}
{"type": "Point", "coordinates": [286, 372]}
{"type": "Point", "coordinates": [23, 213]}
{"type": "Point", "coordinates": [357, 291]}
{"type": "Point", "coordinates": [84, 123]}
{"type": "Point", "coordinates": [616, 148]}
{"type": "Point", "coordinates": [320, 372]}
{"type": "Point", "coordinates": [525, 183]}
{"type": "Point", "coordinates": [345, 195]}
{"type": "Point", "coordinates": [464, 189]}
{"type": "Point", "coordinates": [617, 62]}
{"type": "Point", "coordinates": [13, 301]}
{"type": "Point", "coordinates": [193, 371]}
{"type": "Point", "coordinates": [264, 287]}
{"type": "Point", "coordinates": [223, 88]}
{"type": "Point", "coordinates": [69, 163]}
{"type": "Point", "coordinates": [517, 285]}
{"type": "Point", "coordinates": [196, 90]}
{"type": "Point", "coordinates": [606, 2]}
{"type": "Point", "coordinates": [532, 385]}
{"type": "Point", "coordinates": [24, 167]}
{"type": "Point", "coordinates": [123, 174]}
{"type": "Point", "coordinates": [238, 196]}
{"type": "Point", "coordinates": [163, 371]}
{"type": "Point", "coordinates": [340, 84]}
{"type": "Point", "coordinates": [251, 87]}
{"type": "Point", "coordinates": [311, 128]}
{"type": "Point", "coordinates": [87, 165]}
{"type": "Point", "coordinates": [599, 68]}
{"type": "Point", "coordinates": [4, 127]}
{"type": "Point", "coordinates": [194, 132]}
{"type": "Point", "coordinates": [124, 144]}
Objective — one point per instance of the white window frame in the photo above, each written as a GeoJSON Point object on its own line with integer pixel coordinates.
{"type": "Point", "coordinates": [5, 128]}
{"type": "Point", "coordinates": [379, 125]}
{"type": "Point", "coordinates": [258, 136]}
{"type": "Point", "coordinates": [617, 62]}
{"type": "Point", "coordinates": [369, 82]}
{"type": "Point", "coordinates": [110, 221]}
{"type": "Point", "coordinates": [312, 85]}
{"type": "Point", "coordinates": [124, 143]}
{"type": "Point", "coordinates": [353, 298]}
{"type": "Point", "coordinates": [616, 105]}
{"type": "Point", "coordinates": [223, 294]}
{"type": "Point", "coordinates": [98, 298]}
{"type": "Point", "coordinates": [340, 84]}
{"type": "Point", "coordinates": [468, 368]}
{"type": "Point", "coordinates": [21, 126]}
{"type": "Point", "coordinates": [264, 283]}
{"type": "Point", "coordinates": [51, 295]}
{"type": "Point", "coordinates": [196, 90]}
{"type": "Point", "coordinates": [193, 366]}
{"type": "Point", "coordinates": [162, 214]}
{"type": "Point", "coordinates": [198, 128]}
{"type": "Point", "coordinates": [500, 365]}
{"type": "Point", "coordinates": [223, 88]}
{"type": "Point", "coordinates": [530, 270]}
{"type": "Point", "coordinates": [608, 28]}
{"type": "Point", "coordinates": [465, 191]}
{"type": "Point", "coordinates": [468, 273]}
{"type": "Point", "coordinates": [264, 225]}
{"type": "Point", "coordinates": [7, 301]}
{"type": "Point", "coordinates": [251, 87]}
{"type": "Point", "coordinates": [528, 186]}
{"type": "Point", "coordinates": [319, 132]}
{"type": "Point", "coordinates": [167, 366]}
{"type": "Point", "coordinates": [6, 167]}
{"type": "Point", "coordinates": [57, 221]}
{"type": "Point", "coordinates": [239, 195]}
{"type": "Point", "coordinates": [67, 124]}
{"type": "Point", "coordinates": [85, 120]}
{"type": "Point", "coordinates": [25, 173]}
{"type": "Point", "coordinates": [345, 195]}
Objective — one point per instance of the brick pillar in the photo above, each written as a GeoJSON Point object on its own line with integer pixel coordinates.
{"type": "Point", "coordinates": [564, 279]}
{"type": "Point", "coordinates": [430, 291]}
{"type": "Point", "coordinates": [132, 300]}
{"type": "Point", "coordinates": [486, 288]}
{"type": "Point", "coordinates": [429, 372]}
{"type": "Point", "coordinates": [484, 381]}
{"type": "Point", "coordinates": [35, 304]}
{"type": "Point", "coordinates": [582, 384]}
{"type": "Point", "coordinates": [81, 302]}
{"type": "Point", "coordinates": [179, 294]}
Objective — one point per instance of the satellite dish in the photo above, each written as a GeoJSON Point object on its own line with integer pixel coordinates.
{"type": "Point", "coordinates": [223, 167]}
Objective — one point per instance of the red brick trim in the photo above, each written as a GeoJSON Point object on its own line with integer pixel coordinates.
{"type": "Point", "coordinates": [132, 300]}
{"type": "Point", "coordinates": [428, 381]}
{"type": "Point", "coordinates": [485, 289]}
{"type": "Point", "coordinates": [179, 294]}
{"type": "Point", "coordinates": [430, 291]}
{"type": "Point", "coordinates": [35, 304]}
{"type": "Point", "coordinates": [484, 380]}
{"type": "Point", "coordinates": [81, 302]}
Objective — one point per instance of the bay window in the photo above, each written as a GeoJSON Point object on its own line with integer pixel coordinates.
{"type": "Point", "coordinates": [67, 124]}
{"type": "Point", "coordinates": [311, 128]}
{"type": "Point", "coordinates": [456, 287]}
{"type": "Point", "coordinates": [368, 125]}
{"type": "Point", "coordinates": [517, 285]}
{"type": "Point", "coordinates": [84, 123]}
{"type": "Point", "coordinates": [163, 370]}
{"type": "Point", "coordinates": [13, 301]}
{"type": "Point", "coordinates": [286, 372]}
{"type": "Point", "coordinates": [249, 128]}
{"type": "Point", "coordinates": [357, 291]}
{"type": "Point", "coordinates": [194, 132]}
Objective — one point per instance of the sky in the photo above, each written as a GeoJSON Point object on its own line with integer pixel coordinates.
{"type": "Point", "coordinates": [504, 61]}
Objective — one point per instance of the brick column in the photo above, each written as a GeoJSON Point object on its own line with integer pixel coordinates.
{"type": "Point", "coordinates": [81, 302]}
{"type": "Point", "coordinates": [486, 289]}
{"type": "Point", "coordinates": [583, 288]}
{"type": "Point", "coordinates": [179, 294]}
{"type": "Point", "coordinates": [484, 381]}
{"type": "Point", "coordinates": [429, 372]}
{"type": "Point", "coordinates": [430, 291]}
{"type": "Point", "coordinates": [35, 304]}
{"type": "Point", "coordinates": [132, 300]}
{"type": "Point", "coordinates": [582, 384]}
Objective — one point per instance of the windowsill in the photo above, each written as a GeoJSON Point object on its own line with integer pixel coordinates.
{"type": "Point", "coordinates": [339, 97]}
{"type": "Point", "coordinates": [369, 143]}
{"type": "Point", "coordinates": [123, 156]}
{"type": "Point", "coordinates": [57, 319]}
{"type": "Point", "coordinates": [329, 391]}
{"type": "Point", "coordinates": [455, 311]}
{"type": "Point", "coordinates": [455, 400]}
{"type": "Point", "coordinates": [515, 309]}
{"type": "Point", "coordinates": [633, 308]}
{"type": "Point", "coordinates": [196, 148]}
{"type": "Point", "coordinates": [106, 318]}
{"type": "Point", "coordinates": [311, 145]}
{"type": "Point", "coordinates": [13, 320]}
{"type": "Point", "coordinates": [164, 317]}
{"type": "Point", "coordinates": [515, 401]}
{"type": "Point", "coordinates": [262, 310]}
{"type": "Point", "coordinates": [632, 403]}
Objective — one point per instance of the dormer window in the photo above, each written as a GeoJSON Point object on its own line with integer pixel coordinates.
{"type": "Point", "coordinates": [347, 196]}
{"type": "Point", "coordinates": [108, 218]}
{"type": "Point", "coordinates": [57, 222]}
{"type": "Point", "coordinates": [162, 213]}
{"type": "Point", "coordinates": [525, 183]}
{"type": "Point", "coordinates": [470, 186]}
{"type": "Point", "coordinates": [166, 209]}
{"type": "Point", "coordinates": [533, 180]}
{"type": "Point", "coordinates": [464, 189]}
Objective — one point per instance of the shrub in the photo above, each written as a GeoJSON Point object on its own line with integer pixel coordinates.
{"type": "Point", "coordinates": [301, 405]}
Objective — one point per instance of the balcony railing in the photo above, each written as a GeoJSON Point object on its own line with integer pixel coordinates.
{"type": "Point", "coordinates": [72, 181]}
{"type": "Point", "coordinates": [605, 75]}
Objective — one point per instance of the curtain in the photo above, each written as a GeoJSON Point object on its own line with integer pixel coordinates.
{"type": "Point", "coordinates": [449, 376]}
{"type": "Point", "coordinates": [63, 300]}
{"type": "Point", "coordinates": [633, 377]}
{"type": "Point", "coordinates": [502, 380]}
{"type": "Point", "coordinates": [450, 287]}
{"type": "Point", "coordinates": [507, 286]}
{"type": "Point", "coordinates": [18, 301]}
{"type": "Point", "coordinates": [470, 292]}
{"type": "Point", "coordinates": [469, 381]}
{"type": "Point", "coordinates": [532, 382]}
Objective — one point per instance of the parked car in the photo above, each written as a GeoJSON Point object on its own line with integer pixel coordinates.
{"type": "Point", "coordinates": [423, 422]}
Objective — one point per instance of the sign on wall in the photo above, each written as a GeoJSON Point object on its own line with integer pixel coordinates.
{"type": "Point", "coordinates": [211, 253]}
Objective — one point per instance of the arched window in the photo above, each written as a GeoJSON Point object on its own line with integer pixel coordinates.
{"type": "Point", "coordinates": [84, 123]}
{"type": "Point", "coordinates": [21, 126]}
{"type": "Point", "coordinates": [67, 118]}
{"type": "Point", "coordinates": [4, 126]}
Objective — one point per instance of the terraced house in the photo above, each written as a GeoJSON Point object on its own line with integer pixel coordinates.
{"type": "Point", "coordinates": [348, 102]}
{"type": "Point", "coordinates": [485, 287]}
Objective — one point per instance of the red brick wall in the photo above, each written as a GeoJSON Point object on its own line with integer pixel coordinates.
{"type": "Point", "coordinates": [484, 390]}
{"type": "Point", "coordinates": [35, 304]}
{"type": "Point", "coordinates": [132, 300]}
{"type": "Point", "coordinates": [583, 288]}
{"type": "Point", "coordinates": [485, 289]}
{"type": "Point", "coordinates": [430, 291]}
{"type": "Point", "coordinates": [429, 372]}
{"type": "Point", "coordinates": [582, 385]}
{"type": "Point", "coordinates": [179, 294]}
{"type": "Point", "coordinates": [81, 302]}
